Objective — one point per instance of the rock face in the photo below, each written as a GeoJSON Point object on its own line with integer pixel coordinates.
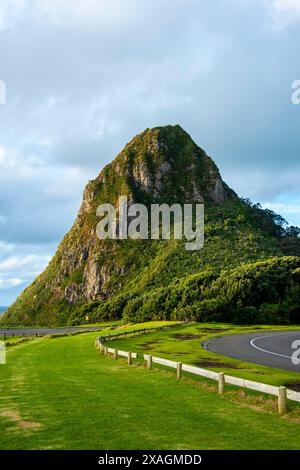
{"type": "Point", "coordinates": [161, 165]}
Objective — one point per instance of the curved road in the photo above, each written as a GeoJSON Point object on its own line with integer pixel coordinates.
{"type": "Point", "coordinates": [274, 349]}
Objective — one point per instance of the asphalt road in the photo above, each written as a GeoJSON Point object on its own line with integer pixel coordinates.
{"type": "Point", "coordinates": [272, 348]}
{"type": "Point", "coordinates": [43, 331]}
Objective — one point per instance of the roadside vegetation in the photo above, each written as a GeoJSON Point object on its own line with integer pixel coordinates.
{"type": "Point", "coordinates": [183, 344]}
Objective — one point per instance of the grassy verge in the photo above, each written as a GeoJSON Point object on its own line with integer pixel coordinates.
{"type": "Point", "coordinates": [17, 340]}
{"type": "Point", "coordinates": [183, 344]}
{"type": "Point", "coordinates": [61, 394]}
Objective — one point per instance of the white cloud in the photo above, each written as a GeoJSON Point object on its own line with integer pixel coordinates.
{"type": "Point", "coordinates": [5, 247]}
{"type": "Point", "coordinates": [290, 208]}
{"type": "Point", "coordinates": [287, 209]}
{"type": "Point", "coordinates": [19, 266]}
{"type": "Point", "coordinates": [263, 183]}
{"type": "Point", "coordinates": [285, 12]}
{"type": "Point", "coordinates": [104, 12]}
{"type": "Point", "coordinates": [3, 157]}
{"type": "Point", "coordinates": [282, 5]}
{"type": "Point", "coordinates": [11, 282]}
{"type": "Point", "coordinates": [17, 270]}
{"type": "Point", "coordinates": [10, 12]}
{"type": "Point", "coordinates": [32, 263]}
{"type": "Point", "coordinates": [13, 159]}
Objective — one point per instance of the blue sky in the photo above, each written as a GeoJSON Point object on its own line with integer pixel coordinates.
{"type": "Point", "coordinates": [84, 76]}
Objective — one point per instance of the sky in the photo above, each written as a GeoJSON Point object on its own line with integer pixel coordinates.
{"type": "Point", "coordinates": [83, 77]}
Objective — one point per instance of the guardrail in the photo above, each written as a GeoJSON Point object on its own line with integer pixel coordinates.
{"type": "Point", "coordinates": [282, 393]}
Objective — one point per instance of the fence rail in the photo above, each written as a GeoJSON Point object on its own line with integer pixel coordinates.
{"type": "Point", "coordinates": [161, 361]}
{"type": "Point", "coordinates": [282, 393]}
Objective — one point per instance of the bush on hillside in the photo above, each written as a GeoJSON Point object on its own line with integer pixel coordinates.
{"type": "Point", "coordinates": [261, 292]}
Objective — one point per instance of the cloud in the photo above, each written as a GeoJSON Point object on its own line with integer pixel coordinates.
{"type": "Point", "coordinates": [41, 199]}
{"type": "Point", "coordinates": [18, 268]}
{"type": "Point", "coordinates": [9, 283]}
{"type": "Point", "coordinates": [19, 264]}
{"type": "Point", "coordinates": [263, 184]}
{"type": "Point", "coordinates": [4, 161]}
{"type": "Point", "coordinates": [5, 247]}
{"type": "Point", "coordinates": [287, 210]}
{"type": "Point", "coordinates": [88, 12]}
{"type": "Point", "coordinates": [289, 5]}
{"type": "Point", "coordinates": [11, 12]}
{"type": "Point", "coordinates": [285, 13]}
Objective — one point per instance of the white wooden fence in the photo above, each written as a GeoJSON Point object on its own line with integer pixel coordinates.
{"type": "Point", "coordinates": [282, 393]}
{"type": "Point", "coordinates": [121, 353]}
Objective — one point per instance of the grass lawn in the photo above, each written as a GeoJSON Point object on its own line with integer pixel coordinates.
{"type": "Point", "coordinates": [59, 393]}
{"type": "Point", "coordinates": [183, 344]}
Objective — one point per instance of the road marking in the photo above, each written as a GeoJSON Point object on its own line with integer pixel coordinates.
{"type": "Point", "coordinates": [265, 350]}
{"type": "Point", "coordinates": [204, 345]}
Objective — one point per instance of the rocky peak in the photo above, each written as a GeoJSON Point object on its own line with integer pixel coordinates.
{"type": "Point", "coordinates": [160, 165]}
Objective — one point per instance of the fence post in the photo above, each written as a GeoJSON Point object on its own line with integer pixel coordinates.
{"type": "Point", "coordinates": [221, 383]}
{"type": "Point", "coordinates": [179, 370]}
{"type": "Point", "coordinates": [129, 358]}
{"type": "Point", "coordinates": [282, 401]}
{"type": "Point", "coordinates": [149, 362]}
{"type": "Point", "coordinates": [115, 354]}
{"type": "Point", "coordinates": [105, 351]}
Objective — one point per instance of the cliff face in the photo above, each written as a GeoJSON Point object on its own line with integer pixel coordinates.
{"type": "Point", "coordinates": [160, 165]}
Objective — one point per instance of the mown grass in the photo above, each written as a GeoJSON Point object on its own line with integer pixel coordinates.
{"type": "Point", "coordinates": [60, 393]}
